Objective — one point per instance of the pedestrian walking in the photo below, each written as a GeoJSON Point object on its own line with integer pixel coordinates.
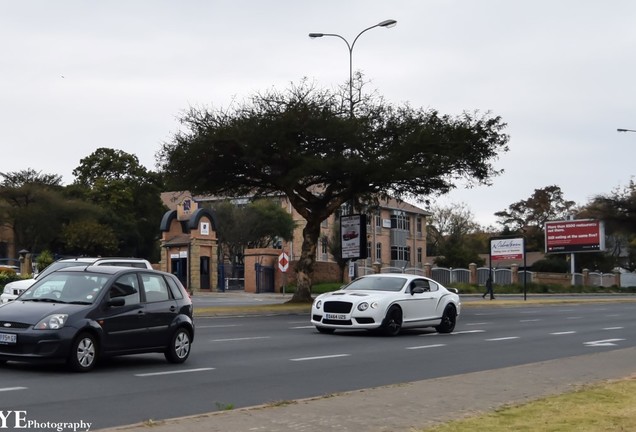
{"type": "Point", "coordinates": [489, 289]}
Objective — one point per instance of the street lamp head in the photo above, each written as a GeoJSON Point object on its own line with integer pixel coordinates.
{"type": "Point", "coordinates": [387, 23]}
{"type": "Point", "coordinates": [625, 130]}
{"type": "Point", "coordinates": [316, 35]}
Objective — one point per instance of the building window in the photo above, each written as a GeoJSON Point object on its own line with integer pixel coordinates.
{"type": "Point", "coordinates": [401, 222]}
{"type": "Point", "coordinates": [324, 248]}
{"type": "Point", "coordinates": [400, 253]}
{"type": "Point", "coordinates": [418, 225]}
{"type": "Point", "coordinates": [378, 252]}
{"type": "Point", "coordinates": [369, 249]}
{"type": "Point", "coordinates": [378, 221]}
{"type": "Point", "coordinates": [419, 255]}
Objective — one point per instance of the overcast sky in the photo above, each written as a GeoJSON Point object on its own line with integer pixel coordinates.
{"type": "Point", "coordinates": [79, 75]}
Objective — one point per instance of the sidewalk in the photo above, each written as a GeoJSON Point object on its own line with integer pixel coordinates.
{"type": "Point", "coordinates": [412, 406]}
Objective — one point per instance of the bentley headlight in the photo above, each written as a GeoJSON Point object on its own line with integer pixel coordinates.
{"type": "Point", "coordinates": [363, 306]}
{"type": "Point", "coordinates": [374, 305]}
{"type": "Point", "coordinates": [318, 304]}
{"type": "Point", "coordinates": [52, 322]}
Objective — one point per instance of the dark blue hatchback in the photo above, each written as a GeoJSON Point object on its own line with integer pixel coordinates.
{"type": "Point", "coordinates": [80, 314]}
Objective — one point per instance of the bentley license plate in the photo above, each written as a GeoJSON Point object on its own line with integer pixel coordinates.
{"type": "Point", "coordinates": [8, 338]}
{"type": "Point", "coordinates": [339, 317]}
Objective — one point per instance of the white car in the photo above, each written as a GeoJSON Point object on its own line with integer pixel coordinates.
{"type": "Point", "coordinates": [13, 289]}
{"type": "Point", "coordinates": [388, 302]}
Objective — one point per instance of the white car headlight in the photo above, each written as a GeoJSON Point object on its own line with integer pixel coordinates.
{"type": "Point", "coordinates": [318, 304]}
{"type": "Point", "coordinates": [52, 322]}
{"type": "Point", "coordinates": [374, 305]}
{"type": "Point", "coordinates": [363, 306]}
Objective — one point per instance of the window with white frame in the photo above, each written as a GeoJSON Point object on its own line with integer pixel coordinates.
{"type": "Point", "coordinates": [401, 222]}
{"type": "Point", "coordinates": [400, 253]}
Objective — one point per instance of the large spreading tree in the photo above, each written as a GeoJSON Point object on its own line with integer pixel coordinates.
{"type": "Point", "coordinates": [130, 196]}
{"type": "Point", "coordinates": [307, 144]}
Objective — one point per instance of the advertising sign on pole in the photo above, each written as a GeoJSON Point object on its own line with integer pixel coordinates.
{"type": "Point", "coordinates": [506, 249]}
{"type": "Point", "coordinates": [353, 236]}
{"type": "Point", "coordinates": [570, 236]}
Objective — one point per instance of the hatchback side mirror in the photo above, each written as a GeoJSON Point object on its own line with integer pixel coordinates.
{"type": "Point", "coordinates": [116, 302]}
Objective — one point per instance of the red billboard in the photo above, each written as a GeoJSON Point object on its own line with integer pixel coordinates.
{"type": "Point", "coordinates": [583, 235]}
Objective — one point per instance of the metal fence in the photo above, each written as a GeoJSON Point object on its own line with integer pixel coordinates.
{"type": "Point", "coordinates": [501, 276]}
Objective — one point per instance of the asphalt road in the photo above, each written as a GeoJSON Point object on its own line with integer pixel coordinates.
{"type": "Point", "coordinates": [244, 361]}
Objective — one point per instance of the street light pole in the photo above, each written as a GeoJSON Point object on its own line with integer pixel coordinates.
{"type": "Point", "coordinates": [386, 23]}
{"type": "Point", "coordinates": [625, 130]}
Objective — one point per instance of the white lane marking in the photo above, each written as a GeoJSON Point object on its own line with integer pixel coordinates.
{"type": "Point", "coordinates": [301, 327]}
{"type": "Point", "coordinates": [563, 333]}
{"type": "Point", "coordinates": [613, 328]}
{"type": "Point", "coordinates": [217, 326]}
{"type": "Point", "coordinates": [426, 346]}
{"type": "Point", "coordinates": [502, 339]}
{"type": "Point", "coordinates": [574, 317]}
{"type": "Point", "coordinates": [298, 322]}
{"type": "Point", "coordinates": [240, 339]}
{"type": "Point", "coordinates": [530, 320]}
{"type": "Point", "coordinates": [173, 372]}
{"type": "Point", "coordinates": [320, 357]}
{"type": "Point", "coordinates": [600, 343]}
{"type": "Point", "coordinates": [473, 324]}
{"type": "Point", "coordinates": [12, 388]}
{"type": "Point", "coordinates": [469, 331]}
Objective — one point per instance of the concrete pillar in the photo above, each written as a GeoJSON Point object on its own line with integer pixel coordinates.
{"type": "Point", "coordinates": [617, 277]}
{"type": "Point", "coordinates": [472, 276]}
{"type": "Point", "coordinates": [514, 268]}
{"type": "Point", "coordinates": [377, 267]}
{"type": "Point", "coordinates": [428, 272]}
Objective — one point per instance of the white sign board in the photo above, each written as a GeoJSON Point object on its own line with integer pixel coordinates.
{"type": "Point", "coordinates": [506, 249]}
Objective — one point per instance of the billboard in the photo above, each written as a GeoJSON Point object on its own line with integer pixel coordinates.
{"type": "Point", "coordinates": [353, 236]}
{"type": "Point", "coordinates": [503, 249]}
{"type": "Point", "coordinates": [570, 236]}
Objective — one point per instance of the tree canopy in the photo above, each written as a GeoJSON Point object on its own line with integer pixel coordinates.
{"type": "Point", "coordinates": [452, 235]}
{"type": "Point", "coordinates": [129, 194]}
{"type": "Point", "coordinates": [528, 217]}
{"type": "Point", "coordinates": [258, 224]}
{"type": "Point", "coordinates": [300, 142]}
{"type": "Point", "coordinates": [618, 211]}
{"type": "Point", "coordinates": [35, 206]}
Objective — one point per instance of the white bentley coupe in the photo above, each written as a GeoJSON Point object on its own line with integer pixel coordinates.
{"type": "Point", "coordinates": [388, 302]}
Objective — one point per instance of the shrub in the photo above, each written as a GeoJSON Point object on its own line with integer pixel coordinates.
{"type": "Point", "coordinates": [6, 277]}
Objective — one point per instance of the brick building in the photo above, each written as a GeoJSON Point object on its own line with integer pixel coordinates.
{"type": "Point", "coordinates": [396, 237]}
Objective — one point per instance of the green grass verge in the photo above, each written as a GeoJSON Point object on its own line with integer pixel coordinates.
{"type": "Point", "coordinates": [609, 406]}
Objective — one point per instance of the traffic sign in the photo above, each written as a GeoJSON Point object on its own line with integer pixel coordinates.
{"type": "Point", "coordinates": [283, 262]}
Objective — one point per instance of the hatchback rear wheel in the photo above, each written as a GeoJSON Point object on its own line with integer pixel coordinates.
{"type": "Point", "coordinates": [179, 348]}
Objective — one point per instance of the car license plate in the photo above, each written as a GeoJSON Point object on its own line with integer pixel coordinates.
{"type": "Point", "coordinates": [8, 338]}
{"type": "Point", "coordinates": [338, 317]}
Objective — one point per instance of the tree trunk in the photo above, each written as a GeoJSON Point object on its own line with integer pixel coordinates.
{"type": "Point", "coordinates": [305, 265]}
